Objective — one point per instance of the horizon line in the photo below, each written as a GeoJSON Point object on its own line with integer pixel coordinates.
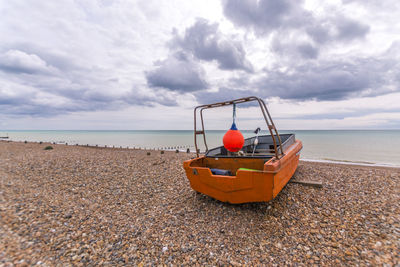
{"type": "Point", "coordinates": [371, 129]}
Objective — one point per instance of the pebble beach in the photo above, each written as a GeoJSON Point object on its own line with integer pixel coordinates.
{"type": "Point", "coordinates": [87, 206]}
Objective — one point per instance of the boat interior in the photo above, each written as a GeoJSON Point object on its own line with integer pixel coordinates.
{"type": "Point", "coordinates": [222, 160]}
{"type": "Point", "coordinates": [263, 150]}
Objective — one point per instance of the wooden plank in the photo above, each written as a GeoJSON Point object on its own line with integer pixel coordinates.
{"type": "Point", "coordinates": [310, 183]}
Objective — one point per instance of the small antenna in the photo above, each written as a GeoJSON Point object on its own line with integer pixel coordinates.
{"type": "Point", "coordinates": [256, 140]}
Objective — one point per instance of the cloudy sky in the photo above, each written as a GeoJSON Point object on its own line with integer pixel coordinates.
{"type": "Point", "coordinates": [102, 64]}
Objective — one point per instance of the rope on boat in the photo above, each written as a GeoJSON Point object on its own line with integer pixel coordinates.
{"type": "Point", "coordinates": [234, 112]}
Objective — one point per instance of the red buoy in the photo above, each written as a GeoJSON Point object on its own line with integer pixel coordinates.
{"type": "Point", "coordinates": [233, 139]}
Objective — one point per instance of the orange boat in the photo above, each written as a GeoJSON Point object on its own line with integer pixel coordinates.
{"type": "Point", "coordinates": [256, 173]}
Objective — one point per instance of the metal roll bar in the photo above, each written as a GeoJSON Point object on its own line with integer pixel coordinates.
{"type": "Point", "coordinates": [264, 110]}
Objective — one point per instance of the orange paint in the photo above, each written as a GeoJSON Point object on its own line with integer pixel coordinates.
{"type": "Point", "coordinates": [261, 185]}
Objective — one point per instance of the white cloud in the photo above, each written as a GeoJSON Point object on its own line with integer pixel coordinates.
{"type": "Point", "coordinates": [84, 61]}
{"type": "Point", "coordinates": [21, 62]}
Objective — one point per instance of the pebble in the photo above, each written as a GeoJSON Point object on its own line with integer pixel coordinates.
{"type": "Point", "coordinates": [88, 206]}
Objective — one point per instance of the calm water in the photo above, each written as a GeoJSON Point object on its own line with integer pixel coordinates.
{"type": "Point", "coordinates": [362, 146]}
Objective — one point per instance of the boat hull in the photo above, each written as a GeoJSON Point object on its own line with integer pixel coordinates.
{"type": "Point", "coordinates": [261, 184]}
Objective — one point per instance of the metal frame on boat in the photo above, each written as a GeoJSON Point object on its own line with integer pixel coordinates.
{"type": "Point", "coordinates": [256, 173]}
{"type": "Point", "coordinates": [264, 110]}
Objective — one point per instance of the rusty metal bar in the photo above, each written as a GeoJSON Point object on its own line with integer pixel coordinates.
{"type": "Point", "coordinates": [273, 126]}
{"type": "Point", "coordinates": [204, 132]}
{"type": "Point", "coordinates": [195, 132]}
{"type": "Point", "coordinates": [260, 102]}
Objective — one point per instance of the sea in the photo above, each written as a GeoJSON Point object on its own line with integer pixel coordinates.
{"type": "Point", "coordinates": [365, 147]}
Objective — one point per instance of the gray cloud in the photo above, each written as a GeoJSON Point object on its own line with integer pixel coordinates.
{"type": "Point", "coordinates": [313, 82]}
{"type": "Point", "coordinates": [238, 86]}
{"type": "Point", "coordinates": [296, 30]}
{"type": "Point", "coordinates": [29, 85]}
{"type": "Point", "coordinates": [16, 61]}
{"type": "Point", "coordinates": [179, 72]}
{"type": "Point", "coordinates": [262, 16]}
{"type": "Point", "coordinates": [84, 56]}
{"type": "Point", "coordinates": [336, 28]}
{"type": "Point", "coordinates": [392, 4]}
{"type": "Point", "coordinates": [324, 80]}
{"type": "Point", "coordinates": [349, 29]}
{"type": "Point", "coordinates": [223, 94]}
{"type": "Point", "coordinates": [86, 59]}
{"type": "Point", "coordinates": [305, 50]}
{"type": "Point", "coordinates": [36, 104]}
{"type": "Point", "coordinates": [206, 42]}
{"type": "Point", "coordinates": [265, 16]}
{"type": "Point", "coordinates": [161, 97]}
{"type": "Point", "coordinates": [319, 32]}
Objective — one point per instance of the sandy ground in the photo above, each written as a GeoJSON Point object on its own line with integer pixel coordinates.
{"type": "Point", "coordinates": [90, 206]}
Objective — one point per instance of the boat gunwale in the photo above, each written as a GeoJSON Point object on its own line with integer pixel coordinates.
{"type": "Point", "coordinates": [271, 156]}
{"type": "Point", "coordinates": [267, 163]}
